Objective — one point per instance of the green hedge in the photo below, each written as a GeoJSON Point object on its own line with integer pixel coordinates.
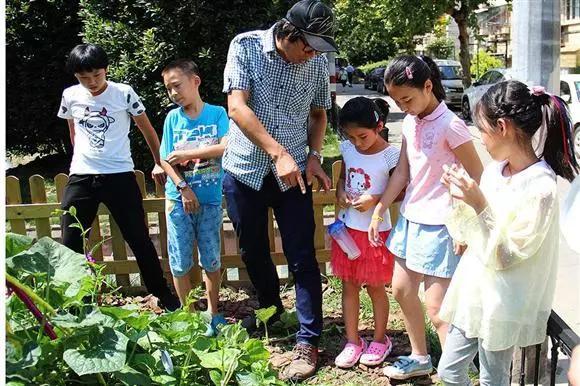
{"type": "Point", "coordinates": [371, 66]}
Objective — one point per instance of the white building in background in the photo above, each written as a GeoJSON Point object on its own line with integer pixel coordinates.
{"type": "Point", "coordinates": [570, 40]}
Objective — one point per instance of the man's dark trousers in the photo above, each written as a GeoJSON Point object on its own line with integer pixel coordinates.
{"type": "Point", "coordinates": [248, 211]}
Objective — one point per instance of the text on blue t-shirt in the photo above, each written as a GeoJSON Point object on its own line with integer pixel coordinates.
{"type": "Point", "coordinates": [180, 132]}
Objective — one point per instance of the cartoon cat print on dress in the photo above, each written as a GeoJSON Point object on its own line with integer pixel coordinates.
{"type": "Point", "coordinates": [357, 182]}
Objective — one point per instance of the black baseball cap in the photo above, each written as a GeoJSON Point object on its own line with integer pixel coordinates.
{"type": "Point", "coordinates": [316, 22]}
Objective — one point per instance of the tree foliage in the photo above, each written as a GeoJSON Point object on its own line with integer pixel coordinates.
{"type": "Point", "coordinates": [142, 36]}
{"type": "Point", "coordinates": [39, 34]}
{"type": "Point", "coordinates": [482, 62]}
{"type": "Point", "coordinates": [373, 30]}
{"type": "Point", "coordinates": [462, 11]}
{"type": "Point", "coordinates": [440, 48]}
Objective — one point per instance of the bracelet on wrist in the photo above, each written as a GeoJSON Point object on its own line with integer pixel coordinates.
{"type": "Point", "coordinates": [181, 185]}
{"type": "Point", "coordinates": [315, 154]}
{"type": "Point", "coordinates": [377, 218]}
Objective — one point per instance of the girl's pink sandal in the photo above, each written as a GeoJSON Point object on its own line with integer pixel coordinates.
{"type": "Point", "coordinates": [350, 354]}
{"type": "Point", "coordinates": [376, 353]}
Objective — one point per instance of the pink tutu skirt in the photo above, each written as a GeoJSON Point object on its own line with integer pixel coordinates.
{"type": "Point", "coordinates": [374, 266]}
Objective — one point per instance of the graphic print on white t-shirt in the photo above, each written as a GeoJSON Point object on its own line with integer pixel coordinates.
{"type": "Point", "coordinates": [102, 122]}
{"type": "Point", "coordinates": [357, 182]}
{"type": "Point", "coordinates": [366, 174]}
{"type": "Point", "coordinates": [95, 125]}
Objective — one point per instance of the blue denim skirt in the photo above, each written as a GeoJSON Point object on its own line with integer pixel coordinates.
{"type": "Point", "coordinates": [426, 249]}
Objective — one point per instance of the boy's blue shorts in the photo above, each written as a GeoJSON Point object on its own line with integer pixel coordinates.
{"type": "Point", "coordinates": [183, 229]}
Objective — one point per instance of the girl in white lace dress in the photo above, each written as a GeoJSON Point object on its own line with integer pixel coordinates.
{"type": "Point", "coordinates": [501, 294]}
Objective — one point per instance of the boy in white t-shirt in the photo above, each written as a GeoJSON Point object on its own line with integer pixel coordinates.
{"type": "Point", "coordinates": [99, 115]}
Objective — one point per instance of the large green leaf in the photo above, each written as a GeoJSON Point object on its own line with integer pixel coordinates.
{"type": "Point", "coordinates": [20, 358]}
{"type": "Point", "coordinates": [149, 340]}
{"type": "Point", "coordinates": [255, 350]}
{"type": "Point", "coordinates": [118, 313]}
{"type": "Point", "coordinates": [77, 291]}
{"type": "Point", "coordinates": [166, 380]}
{"type": "Point", "coordinates": [129, 376]}
{"type": "Point", "coordinates": [247, 379]}
{"type": "Point", "coordinates": [221, 359]}
{"type": "Point", "coordinates": [93, 318]}
{"type": "Point", "coordinates": [16, 243]}
{"type": "Point", "coordinates": [140, 322]}
{"type": "Point", "coordinates": [101, 353]}
{"type": "Point", "coordinates": [264, 314]}
{"type": "Point", "coordinates": [233, 335]}
{"type": "Point", "coordinates": [202, 345]}
{"type": "Point", "coordinates": [216, 377]}
{"type": "Point", "coordinates": [62, 264]}
{"type": "Point", "coordinates": [146, 363]}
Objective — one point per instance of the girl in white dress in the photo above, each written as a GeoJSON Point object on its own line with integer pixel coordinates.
{"type": "Point", "coordinates": [501, 294]}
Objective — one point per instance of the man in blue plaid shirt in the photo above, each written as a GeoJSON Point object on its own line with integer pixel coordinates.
{"type": "Point", "coordinates": [277, 83]}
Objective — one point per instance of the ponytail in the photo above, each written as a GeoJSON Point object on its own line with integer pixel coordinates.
{"type": "Point", "coordinates": [382, 107]}
{"type": "Point", "coordinates": [414, 71]}
{"type": "Point", "coordinates": [559, 146]}
{"type": "Point", "coordinates": [530, 111]}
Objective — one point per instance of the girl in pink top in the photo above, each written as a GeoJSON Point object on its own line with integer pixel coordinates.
{"type": "Point", "coordinates": [433, 136]}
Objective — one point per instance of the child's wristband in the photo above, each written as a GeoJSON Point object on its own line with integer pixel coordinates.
{"type": "Point", "coordinates": [378, 218]}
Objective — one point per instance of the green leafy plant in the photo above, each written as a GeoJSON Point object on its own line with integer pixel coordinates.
{"type": "Point", "coordinates": [95, 344]}
{"type": "Point", "coordinates": [263, 315]}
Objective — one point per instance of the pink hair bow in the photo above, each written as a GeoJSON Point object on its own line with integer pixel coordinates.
{"type": "Point", "coordinates": [538, 90]}
{"type": "Point", "coordinates": [408, 72]}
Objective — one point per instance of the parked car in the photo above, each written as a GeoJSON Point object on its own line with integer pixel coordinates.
{"type": "Point", "coordinates": [570, 92]}
{"type": "Point", "coordinates": [374, 80]}
{"type": "Point", "coordinates": [473, 93]}
{"type": "Point", "coordinates": [451, 77]}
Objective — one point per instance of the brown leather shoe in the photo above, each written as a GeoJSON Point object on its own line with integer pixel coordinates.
{"type": "Point", "coordinates": [303, 365]}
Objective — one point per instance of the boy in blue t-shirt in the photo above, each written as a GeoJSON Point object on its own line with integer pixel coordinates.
{"type": "Point", "coordinates": [191, 149]}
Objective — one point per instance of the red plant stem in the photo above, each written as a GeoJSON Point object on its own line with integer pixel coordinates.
{"type": "Point", "coordinates": [34, 310]}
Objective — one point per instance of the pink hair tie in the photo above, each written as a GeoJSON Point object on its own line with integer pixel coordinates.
{"type": "Point", "coordinates": [538, 90]}
{"type": "Point", "coordinates": [408, 72]}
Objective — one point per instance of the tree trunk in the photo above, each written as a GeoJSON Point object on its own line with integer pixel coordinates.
{"type": "Point", "coordinates": [460, 18]}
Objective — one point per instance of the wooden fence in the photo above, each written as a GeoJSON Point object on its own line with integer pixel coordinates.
{"type": "Point", "coordinates": [34, 219]}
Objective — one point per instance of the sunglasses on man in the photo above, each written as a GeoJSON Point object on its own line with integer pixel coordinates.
{"type": "Point", "coordinates": [307, 49]}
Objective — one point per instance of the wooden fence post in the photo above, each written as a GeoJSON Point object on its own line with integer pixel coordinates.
{"type": "Point", "coordinates": [160, 193]}
{"type": "Point", "coordinates": [119, 251]}
{"type": "Point", "coordinates": [319, 229]}
{"type": "Point", "coordinates": [14, 197]}
{"type": "Point", "coordinates": [38, 196]}
{"type": "Point", "coordinates": [336, 167]}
